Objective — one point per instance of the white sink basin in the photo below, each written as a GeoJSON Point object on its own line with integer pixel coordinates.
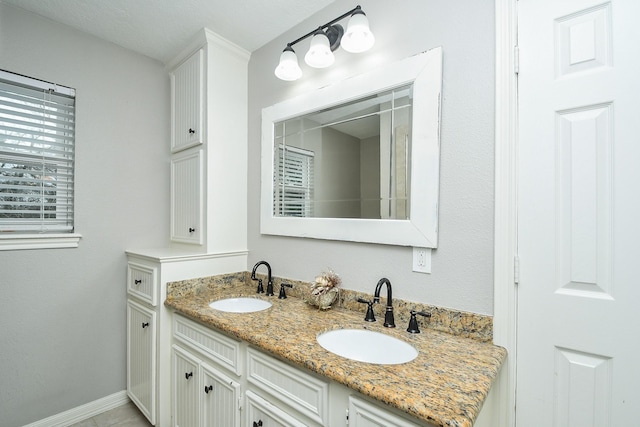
{"type": "Point", "coordinates": [367, 346]}
{"type": "Point", "coordinates": [240, 305]}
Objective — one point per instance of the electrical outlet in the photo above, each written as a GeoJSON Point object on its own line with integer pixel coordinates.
{"type": "Point", "coordinates": [422, 260]}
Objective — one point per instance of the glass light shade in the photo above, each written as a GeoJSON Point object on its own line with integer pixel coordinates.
{"type": "Point", "coordinates": [319, 54]}
{"type": "Point", "coordinates": [288, 68]}
{"type": "Point", "coordinates": [358, 38]}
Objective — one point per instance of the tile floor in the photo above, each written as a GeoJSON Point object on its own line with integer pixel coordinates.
{"type": "Point", "coordinates": [123, 416]}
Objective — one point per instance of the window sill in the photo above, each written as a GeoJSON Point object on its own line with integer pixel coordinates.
{"type": "Point", "coordinates": [38, 241]}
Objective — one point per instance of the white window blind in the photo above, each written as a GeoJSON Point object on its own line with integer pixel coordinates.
{"type": "Point", "coordinates": [294, 187]}
{"type": "Point", "coordinates": [37, 136]}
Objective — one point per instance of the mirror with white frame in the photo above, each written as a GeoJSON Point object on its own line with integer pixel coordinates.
{"type": "Point", "coordinates": [357, 160]}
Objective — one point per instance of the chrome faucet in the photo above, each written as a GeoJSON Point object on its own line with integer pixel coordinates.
{"type": "Point", "coordinates": [269, 282]}
{"type": "Point", "coordinates": [389, 322]}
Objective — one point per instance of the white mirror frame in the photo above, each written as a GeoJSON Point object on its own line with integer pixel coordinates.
{"type": "Point", "coordinates": [421, 229]}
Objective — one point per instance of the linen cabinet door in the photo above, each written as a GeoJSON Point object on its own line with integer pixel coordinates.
{"type": "Point", "coordinates": [186, 387]}
{"type": "Point", "coordinates": [186, 197]}
{"type": "Point", "coordinates": [141, 357]}
{"type": "Point", "coordinates": [187, 103]}
{"type": "Point", "coordinates": [221, 399]}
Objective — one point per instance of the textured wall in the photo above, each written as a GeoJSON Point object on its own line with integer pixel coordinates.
{"type": "Point", "coordinates": [462, 266]}
{"type": "Point", "coordinates": [62, 311]}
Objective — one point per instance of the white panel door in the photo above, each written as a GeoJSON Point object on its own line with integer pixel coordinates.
{"type": "Point", "coordinates": [578, 212]}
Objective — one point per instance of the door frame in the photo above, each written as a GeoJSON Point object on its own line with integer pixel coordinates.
{"type": "Point", "coordinates": [505, 208]}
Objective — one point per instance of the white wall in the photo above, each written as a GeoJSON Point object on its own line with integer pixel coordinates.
{"type": "Point", "coordinates": [62, 312]}
{"type": "Point", "coordinates": [462, 266]}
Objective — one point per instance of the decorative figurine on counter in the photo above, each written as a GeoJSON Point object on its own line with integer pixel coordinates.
{"type": "Point", "coordinates": [324, 290]}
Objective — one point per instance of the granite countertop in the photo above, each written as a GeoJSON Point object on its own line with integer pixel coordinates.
{"type": "Point", "coordinates": [445, 385]}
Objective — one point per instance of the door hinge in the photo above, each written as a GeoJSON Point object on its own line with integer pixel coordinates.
{"type": "Point", "coordinates": [347, 415]}
{"type": "Point", "coordinates": [516, 269]}
{"type": "Point", "coordinates": [516, 59]}
{"type": "Point", "coordinates": [240, 398]}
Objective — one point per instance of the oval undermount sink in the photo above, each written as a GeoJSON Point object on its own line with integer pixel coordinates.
{"type": "Point", "coordinates": [367, 346]}
{"type": "Point", "coordinates": [240, 305]}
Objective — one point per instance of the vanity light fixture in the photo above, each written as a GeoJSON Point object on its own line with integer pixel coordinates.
{"type": "Point", "coordinates": [327, 38]}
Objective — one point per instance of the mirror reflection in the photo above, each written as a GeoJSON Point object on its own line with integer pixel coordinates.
{"type": "Point", "coordinates": [348, 161]}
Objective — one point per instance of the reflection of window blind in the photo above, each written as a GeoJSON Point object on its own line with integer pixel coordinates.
{"type": "Point", "coordinates": [36, 155]}
{"type": "Point", "coordinates": [294, 187]}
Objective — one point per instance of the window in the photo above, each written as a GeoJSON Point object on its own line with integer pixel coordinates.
{"type": "Point", "coordinates": [37, 136]}
{"type": "Point", "coordinates": [294, 186]}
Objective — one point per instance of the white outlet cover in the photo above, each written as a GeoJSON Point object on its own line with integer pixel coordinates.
{"type": "Point", "coordinates": [422, 260]}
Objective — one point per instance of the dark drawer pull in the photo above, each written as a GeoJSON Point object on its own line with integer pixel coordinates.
{"type": "Point", "coordinates": [144, 325]}
{"type": "Point", "coordinates": [188, 375]}
{"type": "Point", "coordinates": [207, 389]}
{"type": "Point", "coordinates": [191, 131]}
{"type": "Point", "coordinates": [137, 281]}
{"type": "Point", "coordinates": [191, 230]}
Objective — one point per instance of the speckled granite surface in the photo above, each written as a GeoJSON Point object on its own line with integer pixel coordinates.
{"type": "Point", "coordinates": [445, 385]}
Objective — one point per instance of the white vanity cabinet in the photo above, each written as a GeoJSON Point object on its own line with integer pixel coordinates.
{"type": "Point", "coordinates": [209, 144]}
{"type": "Point", "coordinates": [202, 395]}
{"type": "Point", "coordinates": [206, 388]}
{"type": "Point", "coordinates": [149, 328]}
{"type": "Point", "coordinates": [254, 389]}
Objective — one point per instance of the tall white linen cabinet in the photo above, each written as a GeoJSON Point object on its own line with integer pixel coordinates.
{"type": "Point", "coordinates": [208, 228]}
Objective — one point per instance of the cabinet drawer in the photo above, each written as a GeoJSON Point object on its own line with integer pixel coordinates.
{"type": "Point", "coordinates": [220, 348]}
{"type": "Point", "coordinates": [300, 391]}
{"type": "Point", "coordinates": [365, 414]}
{"type": "Point", "coordinates": [141, 282]}
{"type": "Point", "coordinates": [262, 413]}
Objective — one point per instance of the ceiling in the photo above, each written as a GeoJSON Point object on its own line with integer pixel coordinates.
{"type": "Point", "coordinates": [161, 28]}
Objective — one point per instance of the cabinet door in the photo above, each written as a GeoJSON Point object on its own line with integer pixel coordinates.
{"type": "Point", "coordinates": [261, 413]}
{"type": "Point", "coordinates": [187, 103]}
{"type": "Point", "coordinates": [186, 197]}
{"type": "Point", "coordinates": [365, 414]}
{"type": "Point", "coordinates": [141, 358]}
{"type": "Point", "coordinates": [221, 399]}
{"type": "Point", "coordinates": [186, 387]}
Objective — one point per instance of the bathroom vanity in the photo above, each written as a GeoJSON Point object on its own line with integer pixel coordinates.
{"type": "Point", "coordinates": [267, 369]}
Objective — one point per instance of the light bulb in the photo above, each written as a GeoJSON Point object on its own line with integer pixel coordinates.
{"type": "Point", "coordinates": [358, 37]}
{"type": "Point", "coordinates": [288, 68]}
{"type": "Point", "coordinates": [319, 54]}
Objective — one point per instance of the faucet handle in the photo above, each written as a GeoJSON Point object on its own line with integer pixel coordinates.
{"type": "Point", "coordinates": [413, 322]}
{"type": "Point", "coordinates": [260, 287]}
{"type": "Point", "coordinates": [282, 294]}
{"type": "Point", "coordinates": [369, 317]}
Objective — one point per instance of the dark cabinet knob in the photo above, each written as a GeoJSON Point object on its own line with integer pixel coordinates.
{"type": "Point", "coordinates": [137, 281]}
{"type": "Point", "coordinates": [191, 230]}
{"type": "Point", "coordinates": [191, 131]}
{"type": "Point", "coordinates": [257, 424]}
{"type": "Point", "coordinates": [208, 388]}
{"type": "Point", "coordinates": [188, 375]}
{"type": "Point", "coordinates": [144, 325]}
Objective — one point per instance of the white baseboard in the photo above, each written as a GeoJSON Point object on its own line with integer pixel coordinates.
{"type": "Point", "coordinates": [81, 413]}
